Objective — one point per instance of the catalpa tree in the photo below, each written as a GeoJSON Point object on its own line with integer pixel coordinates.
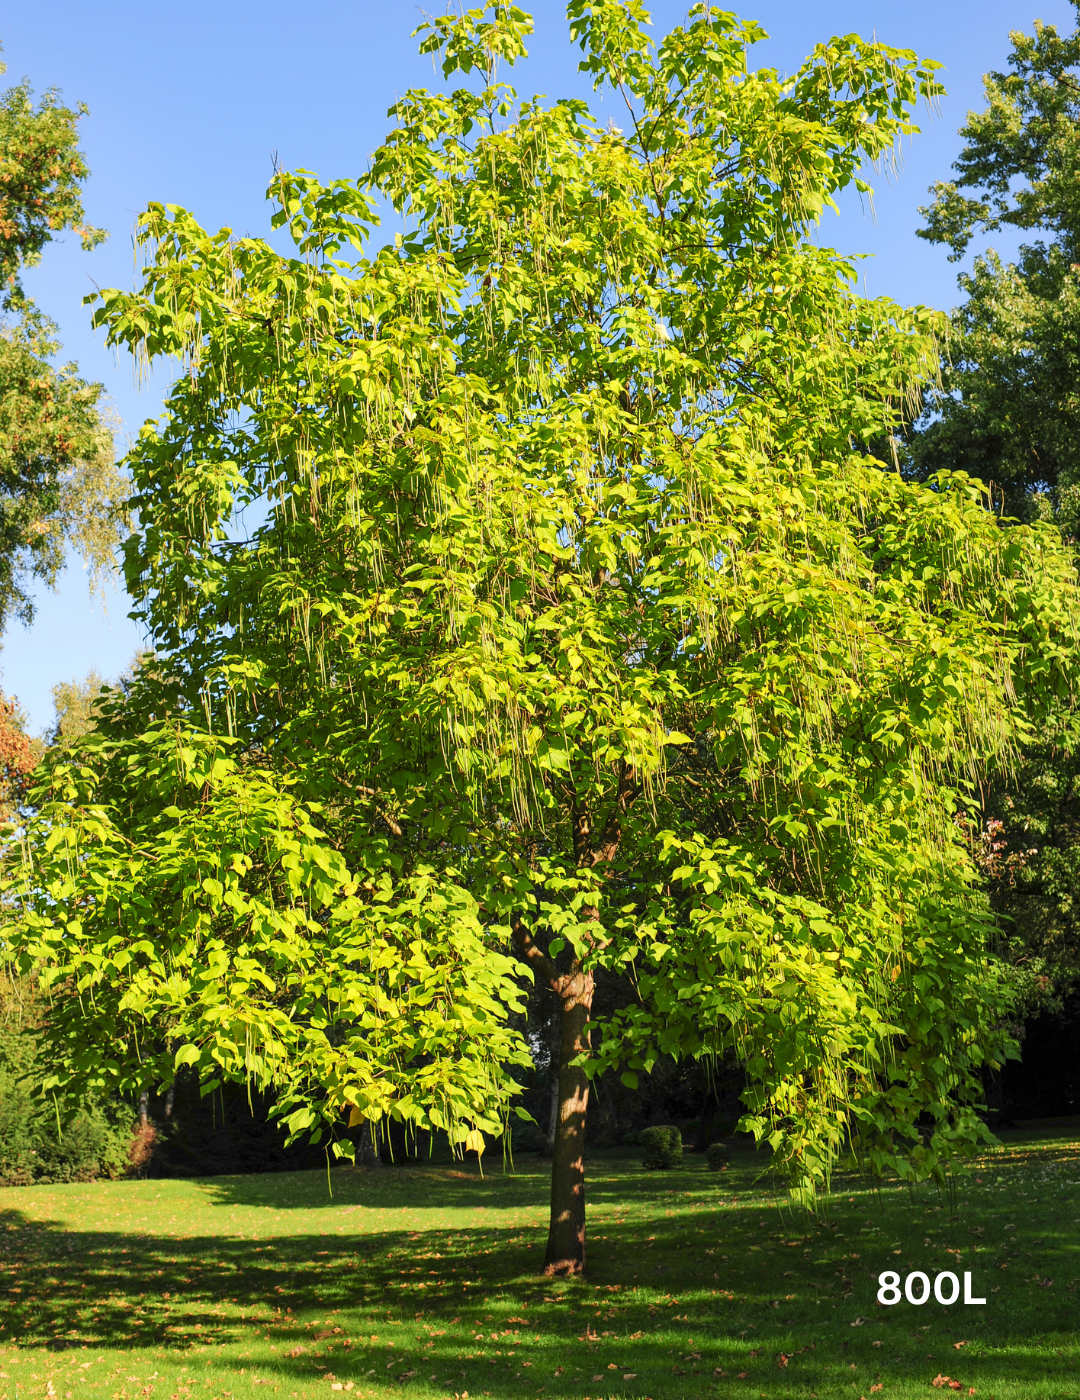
{"type": "Point", "coordinates": [575, 626]}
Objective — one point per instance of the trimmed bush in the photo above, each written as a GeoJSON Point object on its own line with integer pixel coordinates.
{"type": "Point", "coordinates": [717, 1156]}
{"type": "Point", "coordinates": [663, 1148]}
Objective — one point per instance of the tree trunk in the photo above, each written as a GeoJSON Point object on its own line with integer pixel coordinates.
{"type": "Point", "coordinates": [368, 1144]}
{"type": "Point", "coordinates": [554, 1070]}
{"type": "Point", "coordinates": [706, 1121]}
{"type": "Point", "coordinates": [566, 1232]}
{"type": "Point", "coordinates": [609, 1102]}
{"type": "Point", "coordinates": [144, 1108]}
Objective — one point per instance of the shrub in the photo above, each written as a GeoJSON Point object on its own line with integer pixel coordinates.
{"type": "Point", "coordinates": [663, 1148]}
{"type": "Point", "coordinates": [717, 1156]}
{"type": "Point", "coordinates": [93, 1142]}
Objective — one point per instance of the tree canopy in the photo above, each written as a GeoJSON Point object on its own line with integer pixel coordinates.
{"type": "Point", "coordinates": [59, 485]}
{"type": "Point", "coordinates": [525, 595]}
{"type": "Point", "coordinates": [1008, 409]}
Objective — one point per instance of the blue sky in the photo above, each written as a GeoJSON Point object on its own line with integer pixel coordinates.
{"type": "Point", "coordinates": [189, 103]}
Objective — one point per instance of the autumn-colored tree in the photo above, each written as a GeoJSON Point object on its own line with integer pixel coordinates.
{"type": "Point", "coordinates": [18, 756]}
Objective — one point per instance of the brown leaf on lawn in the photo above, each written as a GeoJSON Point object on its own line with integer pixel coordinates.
{"type": "Point", "coordinates": [629, 1375]}
{"type": "Point", "coordinates": [599, 1377]}
{"type": "Point", "coordinates": [782, 1361]}
{"type": "Point", "coordinates": [876, 1387]}
{"type": "Point", "coordinates": [743, 1375]}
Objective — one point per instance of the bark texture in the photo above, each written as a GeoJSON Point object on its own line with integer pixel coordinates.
{"type": "Point", "coordinates": [566, 1231]}
{"type": "Point", "coordinates": [555, 1050]}
{"type": "Point", "coordinates": [709, 1108]}
{"type": "Point", "coordinates": [595, 844]}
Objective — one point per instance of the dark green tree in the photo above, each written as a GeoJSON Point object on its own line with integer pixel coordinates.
{"type": "Point", "coordinates": [1008, 411]}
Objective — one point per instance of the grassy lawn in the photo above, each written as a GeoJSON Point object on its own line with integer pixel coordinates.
{"type": "Point", "coordinates": [422, 1280]}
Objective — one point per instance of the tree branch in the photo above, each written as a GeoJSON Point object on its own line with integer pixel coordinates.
{"type": "Point", "coordinates": [532, 954]}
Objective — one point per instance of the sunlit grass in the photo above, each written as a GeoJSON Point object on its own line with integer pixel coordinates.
{"type": "Point", "coordinates": [423, 1280]}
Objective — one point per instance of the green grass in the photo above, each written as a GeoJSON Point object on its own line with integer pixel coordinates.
{"type": "Point", "coordinates": [422, 1281]}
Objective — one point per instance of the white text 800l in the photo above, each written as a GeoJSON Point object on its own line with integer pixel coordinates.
{"type": "Point", "coordinates": [917, 1289]}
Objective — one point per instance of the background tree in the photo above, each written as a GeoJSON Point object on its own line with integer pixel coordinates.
{"type": "Point", "coordinates": [575, 624]}
{"type": "Point", "coordinates": [1008, 408]}
{"type": "Point", "coordinates": [19, 754]}
{"type": "Point", "coordinates": [1008, 411]}
{"type": "Point", "coordinates": [59, 484]}
{"type": "Point", "coordinates": [74, 707]}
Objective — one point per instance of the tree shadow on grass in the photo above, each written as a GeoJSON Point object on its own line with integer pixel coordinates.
{"type": "Point", "coordinates": [691, 1273]}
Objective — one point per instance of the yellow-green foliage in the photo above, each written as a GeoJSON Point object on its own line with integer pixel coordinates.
{"type": "Point", "coordinates": [573, 605]}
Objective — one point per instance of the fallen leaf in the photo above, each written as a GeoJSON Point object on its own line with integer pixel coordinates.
{"type": "Point", "coordinates": [743, 1375]}
{"type": "Point", "coordinates": [879, 1344]}
{"type": "Point", "coordinates": [782, 1361]}
{"type": "Point", "coordinates": [629, 1375]}
{"type": "Point", "coordinates": [598, 1378]}
{"type": "Point", "coordinates": [958, 1345]}
{"type": "Point", "coordinates": [876, 1387]}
